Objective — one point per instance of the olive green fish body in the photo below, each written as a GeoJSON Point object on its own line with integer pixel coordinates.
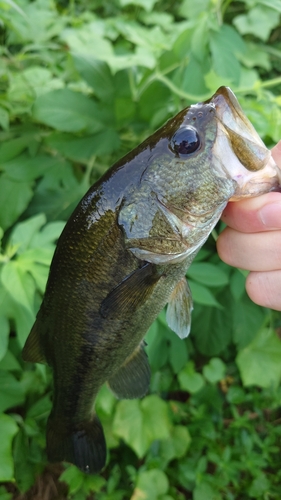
{"type": "Point", "coordinates": [123, 256]}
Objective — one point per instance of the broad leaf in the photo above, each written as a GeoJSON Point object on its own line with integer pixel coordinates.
{"type": "Point", "coordinates": [212, 327]}
{"type": "Point", "coordinates": [18, 284]}
{"type": "Point", "coordinates": [259, 21]}
{"type": "Point", "coordinates": [260, 362]}
{"type": "Point", "coordinates": [21, 194]}
{"type": "Point", "coordinates": [189, 380]}
{"type": "Point", "coordinates": [151, 484]}
{"type": "Point", "coordinates": [140, 423]}
{"type": "Point", "coordinates": [208, 274]}
{"type": "Point", "coordinates": [68, 111]}
{"type": "Point", "coordinates": [25, 231]}
{"type": "Point", "coordinates": [97, 74]}
{"type": "Point", "coordinates": [225, 62]}
{"type": "Point", "coordinates": [11, 391]}
{"type": "Point", "coordinates": [214, 371]}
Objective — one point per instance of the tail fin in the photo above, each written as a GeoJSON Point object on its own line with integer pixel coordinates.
{"type": "Point", "coordinates": [83, 445]}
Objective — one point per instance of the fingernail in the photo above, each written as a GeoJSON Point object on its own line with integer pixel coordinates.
{"type": "Point", "coordinates": [270, 215]}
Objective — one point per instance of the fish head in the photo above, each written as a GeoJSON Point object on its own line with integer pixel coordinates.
{"type": "Point", "coordinates": [206, 155]}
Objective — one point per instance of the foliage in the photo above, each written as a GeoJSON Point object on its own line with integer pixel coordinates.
{"type": "Point", "coordinates": [81, 84]}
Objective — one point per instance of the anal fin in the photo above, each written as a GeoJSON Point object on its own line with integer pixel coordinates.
{"type": "Point", "coordinates": [133, 377]}
{"type": "Point", "coordinates": [32, 351]}
{"type": "Point", "coordinates": [179, 309]}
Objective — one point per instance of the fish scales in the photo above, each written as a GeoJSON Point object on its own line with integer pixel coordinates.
{"type": "Point", "coordinates": [123, 256]}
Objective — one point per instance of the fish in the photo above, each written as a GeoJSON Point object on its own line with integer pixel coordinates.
{"type": "Point", "coordinates": [123, 256]}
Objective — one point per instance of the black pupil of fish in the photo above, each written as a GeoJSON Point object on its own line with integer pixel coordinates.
{"type": "Point", "coordinates": [185, 141]}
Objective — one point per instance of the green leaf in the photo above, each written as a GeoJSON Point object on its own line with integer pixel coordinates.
{"type": "Point", "coordinates": [41, 80]}
{"type": "Point", "coordinates": [259, 21]}
{"type": "Point", "coordinates": [17, 284]}
{"type": "Point", "coordinates": [205, 491]}
{"type": "Point", "coordinates": [74, 478]}
{"type": "Point", "coordinates": [20, 193]}
{"type": "Point", "coordinates": [192, 78]}
{"type": "Point", "coordinates": [4, 336]}
{"type": "Point", "coordinates": [24, 232]}
{"type": "Point", "coordinates": [4, 495]}
{"type": "Point", "coordinates": [236, 395]}
{"type": "Point", "coordinates": [214, 371]}
{"type": "Point", "coordinates": [189, 380]}
{"type": "Point", "coordinates": [151, 484]}
{"type": "Point", "coordinates": [260, 486]}
{"type": "Point", "coordinates": [177, 445]}
{"type": "Point", "coordinates": [225, 62]}
{"type": "Point", "coordinates": [237, 284]}
{"type": "Point", "coordinates": [68, 111]}
{"type": "Point", "coordinates": [178, 353]}
{"type": "Point", "coordinates": [4, 119]}
{"type": "Point", "coordinates": [273, 4]}
{"type": "Point", "coordinates": [97, 74]}
{"type": "Point", "coordinates": [260, 362]}
{"type": "Point", "coordinates": [191, 9]}
{"type": "Point", "coordinates": [45, 239]}
{"type": "Point", "coordinates": [8, 430]}
{"type": "Point", "coordinates": [157, 345]}
{"type": "Point", "coordinates": [26, 168]}
{"type": "Point", "coordinates": [140, 423]}
{"type": "Point", "coordinates": [25, 468]}
{"type": "Point", "coordinates": [24, 319]}
{"type": "Point", "coordinates": [83, 148]}
{"type": "Point", "coordinates": [208, 274]}
{"type": "Point", "coordinates": [212, 327]}
{"type": "Point", "coordinates": [202, 295]}
{"type": "Point", "coordinates": [11, 391]}
{"type": "Point", "coordinates": [247, 320]}
{"type": "Point", "coordinates": [9, 362]}
{"type": "Point", "coordinates": [146, 4]}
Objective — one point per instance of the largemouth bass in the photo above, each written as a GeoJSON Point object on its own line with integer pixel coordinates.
{"type": "Point", "coordinates": [123, 256]}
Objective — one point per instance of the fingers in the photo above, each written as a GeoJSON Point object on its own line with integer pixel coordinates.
{"type": "Point", "coordinates": [252, 241]}
{"type": "Point", "coordinates": [254, 251]}
{"type": "Point", "coordinates": [265, 289]}
{"type": "Point", "coordinates": [253, 215]}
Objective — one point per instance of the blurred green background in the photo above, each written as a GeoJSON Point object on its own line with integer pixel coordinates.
{"type": "Point", "coordinates": [81, 83]}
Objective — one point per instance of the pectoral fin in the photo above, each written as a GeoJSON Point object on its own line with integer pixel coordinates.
{"type": "Point", "coordinates": [131, 293]}
{"type": "Point", "coordinates": [179, 309]}
{"type": "Point", "coordinates": [32, 350]}
{"type": "Point", "coordinates": [133, 377]}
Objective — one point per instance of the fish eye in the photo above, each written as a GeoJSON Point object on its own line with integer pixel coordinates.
{"type": "Point", "coordinates": [185, 141]}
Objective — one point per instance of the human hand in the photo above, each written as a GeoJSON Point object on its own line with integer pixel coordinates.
{"type": "Point", "coordinates": [252, 241]}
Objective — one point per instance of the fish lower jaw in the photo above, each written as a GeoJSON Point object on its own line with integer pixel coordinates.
{"type": "Point", "coordinates": [253, 184]}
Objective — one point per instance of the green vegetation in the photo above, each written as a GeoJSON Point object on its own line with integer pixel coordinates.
{"type": "Point", "coordinates": [83, 82]}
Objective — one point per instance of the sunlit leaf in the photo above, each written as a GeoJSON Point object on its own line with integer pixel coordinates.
{"type": "Point", "coordinates": [140, 423]}
{"type": "Point", "coordinates": [21, 194]}
{"type": "Point", "coordinates": [189, 380]}
{"type": "Point", "coordinates": [68, 111]}
{"type": "Point", "coordinates": [260, 362]}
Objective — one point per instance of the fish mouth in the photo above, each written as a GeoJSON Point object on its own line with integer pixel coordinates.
{"type": "Point", "coordinates": [245, 158]}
